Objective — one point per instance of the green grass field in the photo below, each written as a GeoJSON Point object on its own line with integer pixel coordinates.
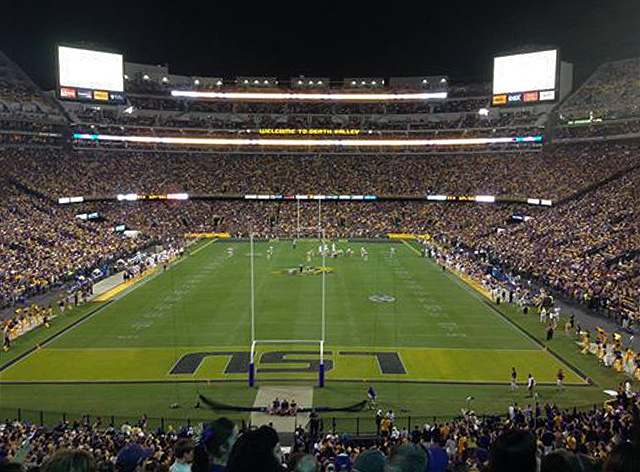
{"type": "Point", "coordinates": [426, 339]}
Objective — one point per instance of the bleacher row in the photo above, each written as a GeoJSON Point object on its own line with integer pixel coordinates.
{"type": "Point", "coordinates": [539, 438]}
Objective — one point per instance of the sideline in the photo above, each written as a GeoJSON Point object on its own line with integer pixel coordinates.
{"type": "Point", "coordinates": [105, 299]}
{"type": "Point", "coordinates": [308, 380]}
{"type": "Point", "coordinates": [144, 275]}
{"type": "Point", "coordinates": [475, 285]}
{"type": "Point", "coordinates": [585, 378]}
{"type": "Point", "coordinates": [54, 336]}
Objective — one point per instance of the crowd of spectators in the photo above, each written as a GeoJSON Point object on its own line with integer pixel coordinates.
{"type": "Point", "coordinates": [42, 245]}
{"type": "Point", "coordinates": [586, 249]}
{"type": "Point", "coordinates": [612, 92]}
{"type": "Point", "coordinates": [162, 123]}
{"type": "Point", "coordinates": [555, 174]}
{"type": "Point", "coordinates": [534, 438]}
{"type": "Point", "coordinates": [20, 98]}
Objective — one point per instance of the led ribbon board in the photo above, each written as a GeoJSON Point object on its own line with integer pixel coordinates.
{"type": "Point", "coordinates": [310, 96]}
{"type": "Point", "coordinates": [308, 142]}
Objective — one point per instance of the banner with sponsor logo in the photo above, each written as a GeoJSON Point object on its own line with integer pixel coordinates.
{"type": "Point", "coordinates": [523, 98]}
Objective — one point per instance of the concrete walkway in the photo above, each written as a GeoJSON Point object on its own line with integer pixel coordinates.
{"type": "Point", "coordinates": [284, 425]}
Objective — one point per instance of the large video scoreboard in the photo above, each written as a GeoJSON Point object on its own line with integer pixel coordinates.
{"type": "Point", "coordinates": [91, 76]}
{"type": "Point", "coordinates": [525, 79]}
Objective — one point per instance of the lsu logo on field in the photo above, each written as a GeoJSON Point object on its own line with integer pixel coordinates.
{"type": "Point", "coordinates": [382, 298]}
{"type": "Point", "coordinates": [290, 361]}
{"type": "Point", "coordinates": [304, 270]}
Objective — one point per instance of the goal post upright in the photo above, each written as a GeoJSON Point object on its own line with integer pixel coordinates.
{"type": "Point", "coordinates": [253, 314]}
{"type": "Point", "coordinates": [319, 218]}
{"type": "Point", "coordinates": [298, 217]}
{"type": "Point", "coordinates": [322, 315]}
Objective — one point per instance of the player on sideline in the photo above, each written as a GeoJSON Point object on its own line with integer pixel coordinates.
{"type": "Point", "coordinates": [514, 379]}
{"type": "Point", "coordinates": [554, 316]}
{"type": "Point", "coordinates": [364, 253]}
{"type": "Point", "coordinates": [6, 342]}
{"type": "Point", "coordinates": [531, 387]}
{"type": "Point", "coordinates": [372, 396]}
{"type": "Point", "coordinates": [543, 315]}
{"type": "Point", "coordinates": [560, 379]}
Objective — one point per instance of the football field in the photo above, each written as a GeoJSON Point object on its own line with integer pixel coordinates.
{"type": "Point", "coordinates": [393, 319]}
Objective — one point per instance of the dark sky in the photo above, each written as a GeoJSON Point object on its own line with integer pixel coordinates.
{"type": "Point", "coordinates": [321, 38]}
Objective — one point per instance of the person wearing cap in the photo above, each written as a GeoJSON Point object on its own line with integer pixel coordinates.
{"type": "Point", "coordinates": [132, 458]}
{"type": "Point", "coordinates": [342, 460]}
{"type": "Point", "coordinates": [371, 460]}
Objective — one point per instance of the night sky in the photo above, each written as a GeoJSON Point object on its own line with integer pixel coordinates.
{"type": "Point", "coordinates": [321, 38]}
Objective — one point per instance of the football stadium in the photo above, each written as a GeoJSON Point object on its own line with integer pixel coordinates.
{"type": "Point", "coordinates": [284, 272]}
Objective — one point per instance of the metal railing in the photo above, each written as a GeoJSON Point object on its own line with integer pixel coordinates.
{"type": "Point", "coordinates": [350, 425]}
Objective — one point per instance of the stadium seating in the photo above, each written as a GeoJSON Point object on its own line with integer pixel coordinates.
{"type": "Point", "coordinates": [468, 443]}
{"type": "Point", "coordinates": [586, 246]}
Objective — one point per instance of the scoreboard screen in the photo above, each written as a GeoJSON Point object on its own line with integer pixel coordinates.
{"type": "Point", "coordinates": [525, 79]}
{"type": "Point", "coordinates": [88, 75]}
